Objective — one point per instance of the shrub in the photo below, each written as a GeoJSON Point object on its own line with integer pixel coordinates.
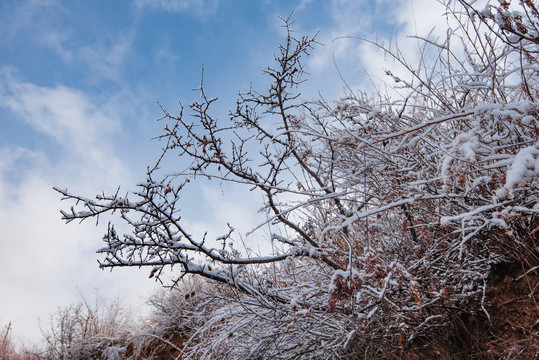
{"type": "Point", "coordinates": [389, 215]}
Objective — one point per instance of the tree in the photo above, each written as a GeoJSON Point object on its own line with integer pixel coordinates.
{"type": "Point", "coordinates": [391, 215]}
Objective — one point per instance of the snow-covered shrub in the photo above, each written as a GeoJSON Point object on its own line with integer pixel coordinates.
{"type": "Point", "coordinates": [89, 330]}
{"type": "Point", "coordinates": [178, 314]}
{"type": "Point", "coordinates": [388, 214]}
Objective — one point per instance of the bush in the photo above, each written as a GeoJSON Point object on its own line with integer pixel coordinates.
{"type": "Point", "coordinates": [8, 350]}
{"type": "Point", "coordinates": [390, 216]}
{"type": "Point", "coordinates": [89, 331]}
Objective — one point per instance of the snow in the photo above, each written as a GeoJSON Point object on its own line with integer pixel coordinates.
{"type": "Point", "coordinates": [114, 353]}
{"type": "Point", "coordinates": [485, 11]}
{"type": "Point", "coordinates": [372, 312]}
{"type": "Point", "coordinates": [525, 167]}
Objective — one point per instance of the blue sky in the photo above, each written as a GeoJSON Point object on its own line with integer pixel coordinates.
{"type": "Point", "coordinates": [79, 81]}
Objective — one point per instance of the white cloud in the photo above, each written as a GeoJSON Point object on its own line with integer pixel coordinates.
{"type": "Point", "coordinates": [106, 60]}
{"type": "Point", "coordinates": [41, 21]}
{"type": "Point", "coordinates": [303, 4]}
{"type": "Point", "coordinates": [84, 131]}
{"type": "Point", "coordinates": [52, 26]}
{"type": "Point", "coordinates": [415, 19]}
{"type": "Point", "coordinates": [44, 262]}
{"type": "Point", "coordinates": [166, 56]}
{"type": "Point", "coordinates": [419, 17]}
{"type": "Point", "coordinates": [210, 207]}
{"type": "Point", "coordinates": [62, 113]}
{"type": "Point", "coordinates": [201, 8]}
{"type": "Point", "coordinates": [361, 64]}
{"type": "Point", "coordinates": [340, 51]}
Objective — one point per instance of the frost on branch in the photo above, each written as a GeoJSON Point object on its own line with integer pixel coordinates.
{"type": "Point", "coordinates": [396, 211]}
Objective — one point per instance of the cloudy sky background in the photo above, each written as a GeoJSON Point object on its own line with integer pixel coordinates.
{"type": "Point", "coordinates": [79, 81]}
